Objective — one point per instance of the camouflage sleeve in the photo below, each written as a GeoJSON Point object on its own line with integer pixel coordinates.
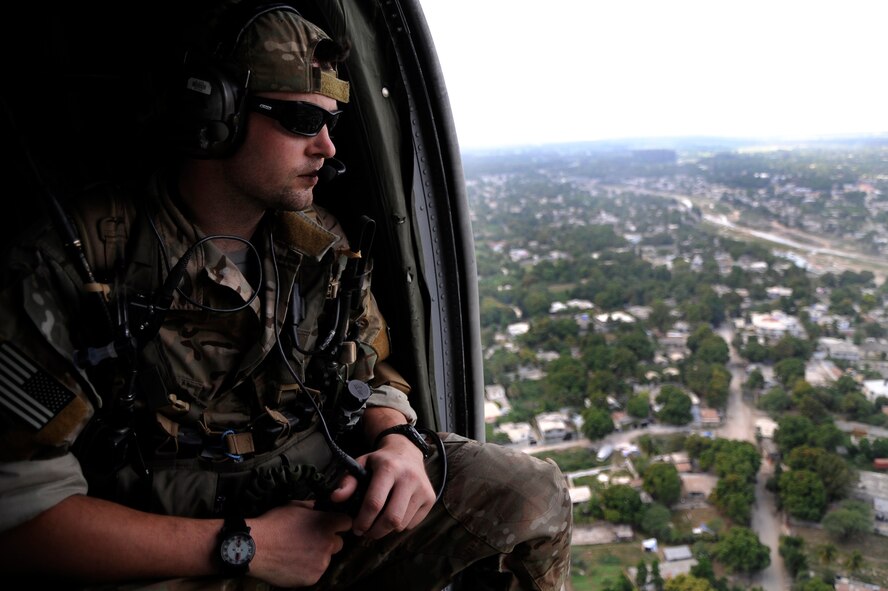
{"type": "Point", "coordinates": [30, 487]}
{"type": "Point", "coordinates": [45, 401]}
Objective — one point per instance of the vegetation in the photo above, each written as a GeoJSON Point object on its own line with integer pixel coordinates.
{"type": "Point", "coordinates": [741, 551]}
{"type": "Point", "coordinates": [568, 245]}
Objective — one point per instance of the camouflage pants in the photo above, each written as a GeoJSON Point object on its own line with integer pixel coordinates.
{"type": "Point", "coordinates": [503, 523]}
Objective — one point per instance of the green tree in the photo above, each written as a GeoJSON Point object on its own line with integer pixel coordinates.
{"type": "Point", "coordinates": [755, 380]}
{"type": "Point", "coordinates": [621, 504]}
{"type": "Point", "coordinates": [687, 582]}
{"type": "Point", "coordinates": [812, 408]}
{"type": "Point", "coordinates": [835, 474]}
{"type": "Point", "coordinates": [641, 574]}
{"type": "Point", "coordinates": [802, 494]}
{"type": "Point", "coordinates": [663, 483]}
{"type": "Point", "coordinates": [734, 495]}
{"type": "Point", "coordinates": [703, 568]}
{"type": "Point", "coordinates": [789, 347]}
{"type": "Point", "coordinates": [638, 342]}
{"type": "Point", "coordinates": [656, 577]}
{"type": "Point", "coordinates": [741, 551]}
{"type": "Point", "coordinates": [565, 382]}
{"type": "Point", "coordinates": [621, 584]}
{"type": "Point", "coordinates": [536, 302]}
{"type": "Point", "coordinates": [660, 316]}
{"type": "Point", "coordinates": [656, 520]}
{"type": "Point", "coordinates": [713, 349]}
{"type": "Point", "coordinates": [827, 436]}
{"type": "Point", "coordinates": [495, 313]}
{"type": "Point", "coordinates": [792, 549]}
{"type": "Point", "coordinates": [816, 584]}
{"type": "Point", "coordinates": [623, 363]}
{"type": "Point", "coordinates": [856, 406]}
{"type": "Point", "coordinates": [608, 382]}
{"type": "Point", "coordinates": [698, 336]}
{"type": "Point", "coordinates": [639, 406]}
{"type": "Point", "coordinates": [754, 351]}
{"type": "Point", "coordinates": [792, 431]}
{"type": "Point", "coordinates": [850, 519]}
{"type": "Point", "coordinates": [736, 457]}
{"type": "Point", "coordinates": [676, 409]}
{"type": "Point", "coordinates": [789, 370]}
{"type": "Point", "coordinates": [597, 423]}
{"type": "Point", "coordinates": [775, 400]}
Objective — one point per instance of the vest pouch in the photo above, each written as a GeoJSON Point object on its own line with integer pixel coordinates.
{"type": "Point", "coordinates": [199, 488]}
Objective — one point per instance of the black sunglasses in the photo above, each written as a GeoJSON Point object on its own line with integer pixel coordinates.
{"type": "Point", "coordinates": [297, 117]}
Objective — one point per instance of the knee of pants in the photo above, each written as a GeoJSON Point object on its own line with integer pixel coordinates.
{"type": "Point", "coordinates": [505, 496]}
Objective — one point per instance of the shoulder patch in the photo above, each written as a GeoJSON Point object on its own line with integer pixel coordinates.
{"type": "Point", "coordinates": [28, 391]}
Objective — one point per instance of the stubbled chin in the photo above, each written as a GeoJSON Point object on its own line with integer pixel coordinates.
{"type": "Point", "coordinates": [300, 200]}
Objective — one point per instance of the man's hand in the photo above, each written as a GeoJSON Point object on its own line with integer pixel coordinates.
{"type": "Point", "coordinates": [399, 495]}
{"type": "Point", "coordinates": [295, 543]}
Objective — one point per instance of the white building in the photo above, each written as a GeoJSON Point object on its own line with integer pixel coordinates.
{"type": "Point", "coordinates": [777, 292]}
{"type": "Point", "coordinates": [872, 389]}
{"type": "Point", "coordinates": [518, 433]}
{"type": "Point", "coordinates": [553, 426]}
{"type": "Point", "coordinates": [834, 348]}
{"type": "Point", "coordinates": [492, 411]}
{"type": "Point", "coordinates": [519, 328]}
{"type": "Point", "coordinates": [617, 316]}
{"type": "Point", "coordinates": [776, 324]}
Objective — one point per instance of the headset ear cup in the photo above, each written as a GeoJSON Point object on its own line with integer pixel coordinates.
{"type": "Point", "coordinates": [210, 110]}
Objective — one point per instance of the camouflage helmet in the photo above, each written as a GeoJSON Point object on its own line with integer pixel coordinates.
{"type": "Point", "coordinates": [279, 47]}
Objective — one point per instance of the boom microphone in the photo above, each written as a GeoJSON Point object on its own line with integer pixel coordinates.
{"type": "Point", "coordinates": [331, 169]}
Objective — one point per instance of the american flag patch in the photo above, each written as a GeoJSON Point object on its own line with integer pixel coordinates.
{"type": "Point", "coordinates": [28, 391]}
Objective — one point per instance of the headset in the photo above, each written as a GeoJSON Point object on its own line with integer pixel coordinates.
{"type": "Point", "coordinates": [211, 108]}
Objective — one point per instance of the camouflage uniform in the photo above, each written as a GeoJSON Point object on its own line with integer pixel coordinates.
{"type": "Point", "coordinates": [497, 502]}
{"type": "Point", "coordinates": [219, 416]}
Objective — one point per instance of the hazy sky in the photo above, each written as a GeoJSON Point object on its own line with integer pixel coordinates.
{"type": "Point", "coordinates": [521, 72]}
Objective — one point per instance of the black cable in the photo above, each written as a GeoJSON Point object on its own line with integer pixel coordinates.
{"type": "Point", "coordinates": [325, 342]}
{"type": "Point", "coordinates": [439, 445]}
{"type": "Point", "coordinates": [351, 464]}
{"type": "Point", "coordinates": [188, 253]}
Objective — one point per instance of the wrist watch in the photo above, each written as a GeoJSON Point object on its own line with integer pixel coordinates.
{"type": "Point", "coordinates": [410, 432]}
{"type": "Point", "coordinates": [236, 547]}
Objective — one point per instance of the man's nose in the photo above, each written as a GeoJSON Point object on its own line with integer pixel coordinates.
{"type": "Point", "coordinates": [322, 144]}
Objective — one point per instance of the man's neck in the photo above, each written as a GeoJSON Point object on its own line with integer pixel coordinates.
{"type": "Point", "coordinates": [215, 209]}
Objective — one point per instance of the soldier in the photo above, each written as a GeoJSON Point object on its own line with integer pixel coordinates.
{"type": "Point", "coordinates": [194, 450]}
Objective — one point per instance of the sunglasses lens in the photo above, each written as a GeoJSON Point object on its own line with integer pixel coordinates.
{"type": "Point", "coordinates": [331, 121]}
{"type": "Point", "coordinates": [304, 120]}
{"type": "Point", "coordinates": [297, 117]}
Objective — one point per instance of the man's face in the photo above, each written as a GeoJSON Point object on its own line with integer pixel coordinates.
{"type": "Point", "coordinates": [276, 168]}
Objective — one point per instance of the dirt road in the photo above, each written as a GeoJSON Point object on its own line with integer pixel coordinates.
{"type": "Point", "coordinates": [766, 521]}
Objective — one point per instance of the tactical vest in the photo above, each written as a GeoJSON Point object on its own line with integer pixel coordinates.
{"type": "Point", "coordinates": [256, 441]}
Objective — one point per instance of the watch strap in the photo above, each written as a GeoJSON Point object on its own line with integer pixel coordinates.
{"type": "Point", "coordinates": [410, 432]}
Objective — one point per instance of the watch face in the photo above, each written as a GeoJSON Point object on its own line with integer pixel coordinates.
{"type": "Point", "coordinates": [238, 549]}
